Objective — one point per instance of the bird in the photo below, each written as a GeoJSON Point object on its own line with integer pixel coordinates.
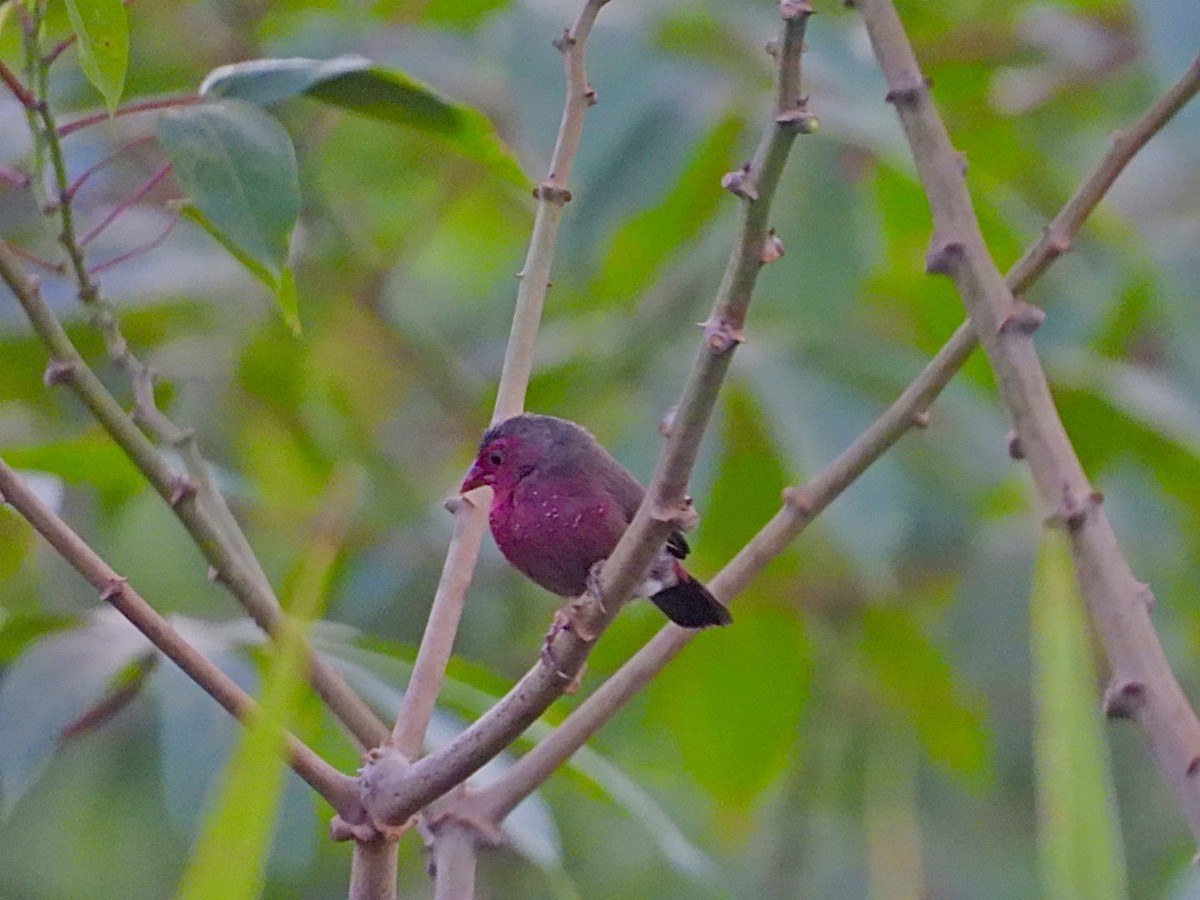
{"type": "Point", "coordinates": [560, 504]}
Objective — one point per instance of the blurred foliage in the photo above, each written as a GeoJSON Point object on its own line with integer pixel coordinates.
{"type": "Point", "coordinates": [867, 727]}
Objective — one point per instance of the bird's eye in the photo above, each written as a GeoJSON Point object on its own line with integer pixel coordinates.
{"type": "Point", "coordinates": [495, 457]}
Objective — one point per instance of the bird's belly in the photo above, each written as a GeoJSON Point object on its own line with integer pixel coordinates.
{"type": "Point", "coordinates": [554, 546]}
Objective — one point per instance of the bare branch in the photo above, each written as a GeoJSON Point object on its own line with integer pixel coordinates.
{"type": "Point", "coordinates": [68, 366]}
{"type": "Point", "coordinates": [803, 504]}
{"type": "Point", "coordinates": [338, 789]}
{"type": "Point", "coordinates": [409, 788]}
{"type": "Point", "coordinates": [1116, 600]}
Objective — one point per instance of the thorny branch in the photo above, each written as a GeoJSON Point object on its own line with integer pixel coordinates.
{"type": "Point", "coordinates": [1143, 687]}
{"type": "Point", "coordinates": [335, 787]}
{"type": "Point", "coordinates": [394, 790]}
{"type": "Point", "coordinates": [803, 504]}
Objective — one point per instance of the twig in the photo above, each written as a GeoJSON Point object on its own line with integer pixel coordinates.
{"type": "Point", "coordinates": [101, 268]}
{"type": "Point", "coordinates": [455, 853]}
{"type": "Point", "coordinates": [79, 182]}
{"type": "Point", "coordinates": [68, 367]}
{"type": "Point", "coordinates": [1143, 688]}
{"type": "Point", "coordinates": [1059, 234]}
{"type": "Point", "coordinates": [806, 502]}
{"type": "Point", "coordinates": [394, 790]}
{"type": "Point", "coordinates": [14, 178]}
{"type": "Point", "coordinates": [338, 789]}
{"type": "Point", "coordinates": [373, 869]}
{"type": "Point", "coordinates": [124, 205]}
{"type": "Point", "coordinates": [20, 91]}
{"type": "Point", "coordinates": [128, 110]}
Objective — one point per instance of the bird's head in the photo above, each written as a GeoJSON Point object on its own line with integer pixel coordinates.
{"type": "Point", "coordinates": [520, 446]}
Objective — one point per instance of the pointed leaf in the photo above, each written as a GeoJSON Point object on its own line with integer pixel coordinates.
{"type": "Point", "coordinates": [37, 702]}
{"type": "Point", "coordinates": [102, 30]}
{"type": "Point", "coordinates": [354, 83]}
{"type": "Point", "coordinates": [238, 166]}
{"type": "Point", "coordinates": [1078, 835]}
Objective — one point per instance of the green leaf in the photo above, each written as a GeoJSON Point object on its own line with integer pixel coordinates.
{"type": "Point", "coordinates": [915, 677]}
{"type": "Point", "coordinates": [736, 725]}
{"type": "Point", "coordinates": [354, 83]}
{"type": "Point", "coordinates": [37, 702]}
{"type": "Point", "coordinates": [1078, 835]}
{"type": "Point", "coordinates": [645, 242]}
{"type": "Point", "coordinates": [91, 459]}
{"type": "Point", "coordinates": [238, 166]}
{"type": "Point", "coordinates": [102, 30]}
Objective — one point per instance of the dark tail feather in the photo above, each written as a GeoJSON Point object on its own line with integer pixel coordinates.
{"type": "Point", "coordinates": [689, 604]}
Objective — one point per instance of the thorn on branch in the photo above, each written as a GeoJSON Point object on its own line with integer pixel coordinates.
{"type": "Point", "coordinates": [739, 184]}
{"type": "Point", "coordinates": [1145, 595]}
{"type": "Point", "coordinates": [799, 120]}
{"type": "Point", "coordinates": [113, 588]}
{"type": "Point", "coordinates": [772, 248]}
{"type": "Point", "coordinates": [921, 419]}
{"type": "Point", "coordinates": [798, 501]}
{"type": "Point", "coordinates": [1059, 242]}
{"type": "Point", "coordinates": [721, 335]}
{"type": "Point", "coordinates": [59, 372]}
{"type": "Point", "coordinates": [1193, 765]}
{"type": "Point", "coordinates": [564, 41]}
{"type": "Point", "coordinates": [772, 48]}
{"type": "Point", "coordinates": [213, 574]}
{"type": "Point", "coordinates": [1074, 510]}
{"type": "Point", "coordinates": [591, 97]}
{"type": "Point", "coordinates": [945, 258]}
{"type": "Point", "coordinates": [682, 515]}
{"type": "Point", "coordinates": [960, 157]}
{"type": "Point", "coordinates": [667, 422]}
{"type": "Point", "coordinates": [1123, 699]}
{"type": "Point", "coordinates": [908, 96]}
{"type": "Point", "coordinates": [182, 488]}
{"type": "Point", "coordinates": [1024, 319]}
{"type": "Point", "coordinates": [1015, 449]}
{"type": "Point", "coordinates": [552, 193]}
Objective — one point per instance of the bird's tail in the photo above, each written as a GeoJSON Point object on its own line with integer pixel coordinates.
{"type": "Point", "coordinates": [689, 604]}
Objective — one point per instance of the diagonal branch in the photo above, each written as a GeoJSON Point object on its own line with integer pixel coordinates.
{"type": "Point", "coordinates": [68, 367]}
{"type": "Point", "coordinates": [804, 503]}
{"type": "Point", "coordinates": [335, 787]}
{"type": "Point", "coordinates": [1143, 686]}
{"type": "Point", "coordinates": [394, 790]}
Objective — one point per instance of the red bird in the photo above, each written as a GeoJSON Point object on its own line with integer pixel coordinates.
{"type": "Point", "coordinates": [560, 504]}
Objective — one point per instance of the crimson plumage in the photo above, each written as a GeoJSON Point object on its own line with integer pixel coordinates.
{"type": "Point", "coordinates": [560, 504]}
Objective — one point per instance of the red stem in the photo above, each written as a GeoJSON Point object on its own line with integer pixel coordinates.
{"type": "Point", "coordinates": [13, 83]}
{"type": "Point", "coordinates": [126, 204]}
{"type": "Point", "coordinates": [145, 106]}
{"type": "Point", "coordinates": [71, 190]}
{"type": "Point", "coordinates": [136, 251]}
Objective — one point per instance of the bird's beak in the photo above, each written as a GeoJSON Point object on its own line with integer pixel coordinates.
{"type": "Point", "coordinates": [475, 478]}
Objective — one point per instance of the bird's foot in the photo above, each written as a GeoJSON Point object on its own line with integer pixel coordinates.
{"type": "Point", "coordinates": [563, 621]}
{"type": "Point", "coordinates": [594, 588]}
